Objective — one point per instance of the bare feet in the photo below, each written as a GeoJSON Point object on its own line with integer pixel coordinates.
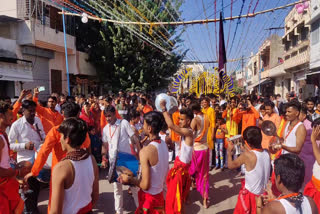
{"type": "Point", "coordinates": [205, 205]}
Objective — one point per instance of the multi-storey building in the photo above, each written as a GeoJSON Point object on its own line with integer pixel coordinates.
{"type": "Point", "coordinates": [313, 78]}
{"type": "Point", "coordinates": [32, 35]}
{"type": "Point", "coordinates": [260, 65]}
{"type": "Point", "coordinates": [297, 53]}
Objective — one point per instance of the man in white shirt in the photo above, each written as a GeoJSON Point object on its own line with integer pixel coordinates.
{"type": "Point", "coordinates": [25, 136]}
{"type": "Point", "coordinates": [222, 99]}
{"type": "Point", "coordinates": [127, 141]}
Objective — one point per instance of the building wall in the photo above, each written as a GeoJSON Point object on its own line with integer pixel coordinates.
{"type": "Point", "coordinates": [8, 8]}
{"type": "Point", "coordinates": [276, 50]}
{"type": "Point", "coordinates": [85, 67]}
{"type": "Point", "coordinates": [8, 45]}
{"type": "Point", "coordinates": [315, 35]}
{"type": "Point", "coordinates": [58, 63]}
{"type": "Point", "coordinates": [40, 72]}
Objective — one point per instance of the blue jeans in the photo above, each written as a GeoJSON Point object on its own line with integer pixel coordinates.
{"type": "Point", "coordinates": [218, 145]}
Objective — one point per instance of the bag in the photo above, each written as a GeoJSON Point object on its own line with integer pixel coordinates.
{"type": "Point", "coordinates": [113, 161]}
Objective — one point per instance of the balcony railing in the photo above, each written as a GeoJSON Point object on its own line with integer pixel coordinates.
{"type": "Point", "coordinates": [297, 57]}
{"type": "Point", "coordinates": [23, 9]}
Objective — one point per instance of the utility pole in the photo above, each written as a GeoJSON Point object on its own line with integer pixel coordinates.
{"type": "Point", "coordinates": [242, 66]}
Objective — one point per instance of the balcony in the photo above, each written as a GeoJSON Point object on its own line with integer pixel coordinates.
{"type": "Point", "coordinates": [293, 19]}
{"type": "Point", "coordinates": [298, 55]}
{"type": "Point", "coordinates": [277, 71]}
{"type": "Point", "coordinates": [32, 32]}
{"type": "Point", "coordinates": [265, 74]}
{"type": "Point", "coordinates": [20, 71]}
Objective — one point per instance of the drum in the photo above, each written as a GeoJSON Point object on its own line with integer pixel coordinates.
{"type": "Point", "coordinates": [171, 103]}
{"type": "Point", "coordinates": [45, 173]}
{"type": "Point", "coordinates": [124, 160]}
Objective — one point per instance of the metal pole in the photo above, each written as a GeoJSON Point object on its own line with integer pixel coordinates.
{"type": "Point", "coordinates": [259, 75]}
{"type": "Point", "coordinates": [66, 50]}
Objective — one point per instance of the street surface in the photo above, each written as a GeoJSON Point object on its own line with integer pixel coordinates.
{"type": "Point", "coordinates": [224, 188]}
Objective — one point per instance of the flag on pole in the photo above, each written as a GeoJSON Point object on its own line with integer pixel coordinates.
{"type": "Point", "coordinates": [222, 53]}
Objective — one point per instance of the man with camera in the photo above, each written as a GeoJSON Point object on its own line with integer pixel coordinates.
{"type": "Point", "coordinates": [257, 169]}
{"type": "Point", "coordinates": [247, 113]}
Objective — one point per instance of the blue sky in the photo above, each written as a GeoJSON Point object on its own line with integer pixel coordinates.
{"type": "Point", "coordinates": [201, 39]}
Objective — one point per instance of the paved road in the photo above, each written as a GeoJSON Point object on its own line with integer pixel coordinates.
{"type": "Point", "coordinates": [224, 188]}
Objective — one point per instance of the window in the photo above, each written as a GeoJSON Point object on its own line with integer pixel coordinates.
{"type": "Point", "coordinates": [304, 33]}
{"type": "Point", "coordinates": [315, 32]}
{"type": "Point", "coordinates": [255, 68]}
{"type": "Point", "coordinates": [287, 45]}
{"type": "Point", "coordinates": [294, 41]}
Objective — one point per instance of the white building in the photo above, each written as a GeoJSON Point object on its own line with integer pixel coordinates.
{"type": "Point", "coordinates": [297, 53]}
{"type": "Point", "coordinates": [32, 31]}
{"type": "Point", "coordinates": [313, 78]}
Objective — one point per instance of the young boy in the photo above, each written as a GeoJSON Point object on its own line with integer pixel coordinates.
{"type": "Point", "coordinates": [75, 179]}
{"type": "Point", "coordinates": [221, 130]}
{"type": "Point", "coordinates": [154, 167]}
{"type": "Point", "coordinates": [96, 144]}
{"type": "Point", "coordinates": [257, 169]}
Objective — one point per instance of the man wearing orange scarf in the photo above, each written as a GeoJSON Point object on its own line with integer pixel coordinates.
{"type": "Point", "coordinates": [312, 189]}
{"type": "Point", "coordinates": [52, 144]}
{"type": "Point", "coordinates": [248, 115]}
{"type": "Point", "coordinates": [273, 117]}
{"type": "Point", "coordinates": [49, 116]}
{"type": "Point", "coordinates": [199, 168]}
{"type": "Point", "coordinates": [10, 201]}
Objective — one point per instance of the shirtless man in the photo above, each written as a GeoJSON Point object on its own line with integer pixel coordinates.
{"type": "Point", "coordinates": [182, 162]}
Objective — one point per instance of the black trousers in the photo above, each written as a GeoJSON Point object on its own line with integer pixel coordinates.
{"type": "Point", "coordinates": [31, 196]}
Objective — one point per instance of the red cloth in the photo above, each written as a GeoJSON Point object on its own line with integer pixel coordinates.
{"type": "Point", "coordinates": [178, 178]}
{"type": "Point", "coordinates": [150, 204]}
{"type": "Point", "coordinates": [96, 116]}
{"type": "Point", "coordinates": [87, 118]}
{"type": "Point", "coordinates": [246, 201]}
{"type": "Point", "coordinates": [147, 109]}
{"type": "Point", "coordinates": [312, 191]}
{"type": "Point", "coordinates": [10, 201]}
{"type": "Point", "coordinates": [86, 209]}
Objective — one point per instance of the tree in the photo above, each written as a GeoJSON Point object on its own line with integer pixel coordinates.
{"type": "Point", "coordinates": [125, 61]}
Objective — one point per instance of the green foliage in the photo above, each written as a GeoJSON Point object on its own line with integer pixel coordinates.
{"type": "Point", "coordinates": [123, 60]}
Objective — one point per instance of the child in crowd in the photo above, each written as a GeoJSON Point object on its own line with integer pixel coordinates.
{"type": "Point", "coordinates": [217, 108]}
{"type": "Point", "coordinates": [164, 135]}
{"type": "Point", "coordinates": [96, 144]}
{"type": "Point", "coordinates": [221, 130]}
{"type": "Point", "coordinates": [262, 111]}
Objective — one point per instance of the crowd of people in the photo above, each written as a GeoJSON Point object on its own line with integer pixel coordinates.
{"type": "Point", "coordinates": [62, 144]}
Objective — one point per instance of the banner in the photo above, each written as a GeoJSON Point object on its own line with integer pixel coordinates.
{"type": "Point", "coordinates": [183, 75]}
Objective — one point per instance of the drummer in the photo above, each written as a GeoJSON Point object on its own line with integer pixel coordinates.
{"type": "Point", "coordinates": [154, 167]}
{"type": "Point", "coordinates": [125, 140]}
{"type": "Point", "coordinates": [25, 136]}
{"type": "Point", "coordinates": [52, 144]}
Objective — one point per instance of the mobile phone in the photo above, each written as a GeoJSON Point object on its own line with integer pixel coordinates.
{"type": "Point", "coordinates": [41, 88]}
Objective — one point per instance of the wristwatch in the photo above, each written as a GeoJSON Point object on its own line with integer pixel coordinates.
{"type": "Point", "coordinates": [164, 110]}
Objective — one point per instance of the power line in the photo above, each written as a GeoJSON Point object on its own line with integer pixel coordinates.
{"type": "Point", "coordinates": [251, 15]}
